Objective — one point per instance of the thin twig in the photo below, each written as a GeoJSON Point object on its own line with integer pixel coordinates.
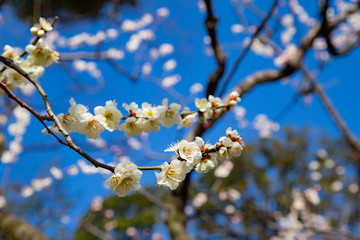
{"type": "Point", "coordinates": [32, 111]}
{"type": "Point", "coordinates": [246, 49]}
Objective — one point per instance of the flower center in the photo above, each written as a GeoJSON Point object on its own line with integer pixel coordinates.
{"type": "Point", "coordinates": [169, 113]}
{"type": "Point", "coordinates": [93, 124]}
{"type": "Point", "coordinates": [108, 116]}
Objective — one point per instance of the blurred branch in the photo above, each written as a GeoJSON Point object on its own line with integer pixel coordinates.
{"type": "Point", "coordinates": [151, 197]}
{"type": "Point", "coordinates": [94, 230]}
{"type": "Point", "coordinates": [98, 56]}
{"type": "Point", "coordinates": [211, 23]}
{"type": "Point", "coordinates": [329, 26]}
{"type": "Point", "coordinates": [71, 56]}
{"type": "Point", "coordinates": [246, 49]}
{"type": "Point", "coordinates": [332, 111]}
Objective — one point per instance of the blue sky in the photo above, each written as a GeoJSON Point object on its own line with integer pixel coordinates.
{"type": "Point", "coordinates": [185, 30]}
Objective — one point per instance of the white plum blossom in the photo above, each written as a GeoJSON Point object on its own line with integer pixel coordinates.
{"type": "Point", "coordinates": [203, 157]}
{"type": "Point", "coordinates": [151, 112]}
{"type": "Point", "coordinates": [234, 98]}
{"type": "Point", "coordinates": [170, 115]}
{"type": "Point", "coordinates": [80, 120]}
{"type": "Point", "coordinates": [41, 55]}
{"type": "Point", "coordinates": [172, 174]}
{"type": "Point", "coordinates": [111, 115]}
{"type": "Point", "coordinates": [206, 163]}
{"type": "Point", "coordinates": [9, 52]}
{"type": "Point", "coordinates": [189, 151]}
{"type": "Point", "coordinates": [188, 118]}
{"type": "Point", "coordinates": [133, 109]}
{"type": "Point", "coordinates": [204, 107]}
{"type": "Point", "coordinates": [202, 104]}
{"type": "Point", "coordinates": [231, 145]}
{"type": "Point", "coordinates": [67, 121]}
{"type": "Point", "coordinates": [91, 126]}
{"type": "Point", "coordinates": [132, 126]}
{"type": "Point", "coordinates": [215, 102]}
{"type": "Point", "coordinates": [152, 123]}
{"type": "Point", "coordinates": [45, 25]}
{"type": "Point", "coordinates": [236, 149]}
{"type": "Point", "coordinates": [77, 110]}
{"type": "Point", "coordinates": [225, 144]}
{"type": "Point", "coordinates": [13, 79]}
{"type": "Point", "coordinates": [126, 177]}
{"type": "Point", "coordinates": [223, 153]}
{"type": "Point", "coordinates": [208, 160]}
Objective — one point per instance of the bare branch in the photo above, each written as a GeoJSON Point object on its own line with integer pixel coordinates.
{"type": "Point", "coordinates": [329, 26]}
{"type": "Point", "coordinates": [331, 109]}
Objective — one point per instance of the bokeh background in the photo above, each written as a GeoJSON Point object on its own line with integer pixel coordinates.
{"type": "Point", "coordinates": [297, 174]}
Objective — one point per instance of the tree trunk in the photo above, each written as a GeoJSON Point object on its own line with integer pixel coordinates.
{"type": "Point", "coordinates": [176, 220]}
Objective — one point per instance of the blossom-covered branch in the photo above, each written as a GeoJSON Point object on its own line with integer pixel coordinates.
{"type": "Point", "coordinates": [196, 155]}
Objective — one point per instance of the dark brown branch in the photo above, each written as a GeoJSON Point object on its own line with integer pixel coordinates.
{"type": "Point", "coordinates": [32, 111]}
{"type": "Point", "coordinates": [211, 23]}
{"type": "Point", "coordinates": [329, 26]}
{"type": "Point", "coordinates": [246, 49]}
{"type": "Point", "coordinates": [9, 63]}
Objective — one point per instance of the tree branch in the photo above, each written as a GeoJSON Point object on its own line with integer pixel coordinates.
{"type": "Point", "coordinates": [332, 111]}
{"type": "Point", "coordinates": [9, 63]}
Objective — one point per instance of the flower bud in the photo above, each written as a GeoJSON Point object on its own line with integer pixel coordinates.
{"type": "Point", "coordinates": [34, 30]}
{"type": "Point", "coordinates": [236, 149]}
{"type": "Point", "coordinates": [40, 33]}
{"type": "Point", "coordinates": [232, 103]}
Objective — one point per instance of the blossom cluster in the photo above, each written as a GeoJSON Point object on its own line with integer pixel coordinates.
{"type": "Point", "coordinates": [210, 107]}
{"type": "Point", "coordinates": [39, 55]}
{"type": "Point", "coordinates": [196, 155]}
{"type": "Point", "coordinates": [148, 118]}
